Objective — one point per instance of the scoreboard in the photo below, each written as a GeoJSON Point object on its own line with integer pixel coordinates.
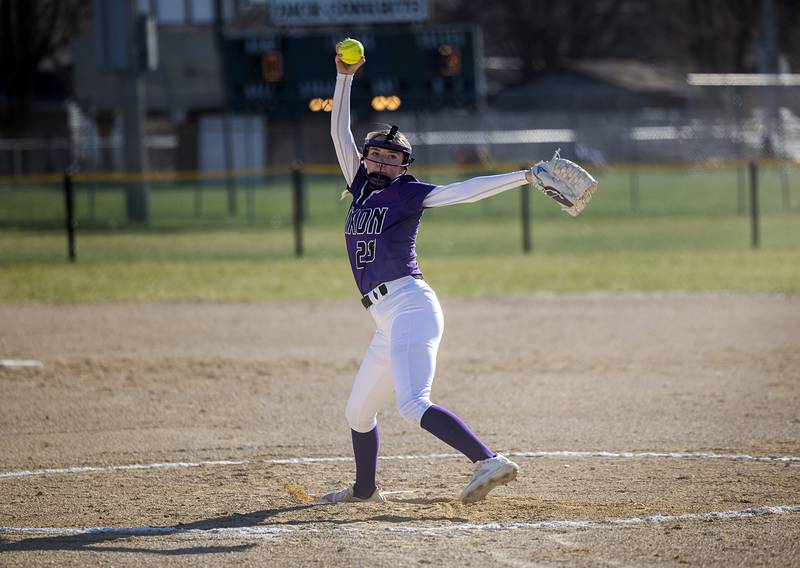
{"type": "Point", "coordinates": [421, 69]}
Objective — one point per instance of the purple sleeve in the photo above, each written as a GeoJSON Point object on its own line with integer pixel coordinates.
{"type": "Point", "coordinates": [416, 192]}
{"type": "Point", "coordinates": [358, 181]}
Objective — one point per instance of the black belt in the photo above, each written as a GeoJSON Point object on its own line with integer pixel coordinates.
{"type": "Point", "coordinates": [380, 291]}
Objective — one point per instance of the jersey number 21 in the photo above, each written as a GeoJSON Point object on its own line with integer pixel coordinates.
{"type": "Point", "coordinates": [365, 252]}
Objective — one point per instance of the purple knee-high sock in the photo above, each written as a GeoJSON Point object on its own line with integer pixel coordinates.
{"type": "Point", "coordinates": [365, 450]}
{"type": "Point", "coordinates": [452, 431]}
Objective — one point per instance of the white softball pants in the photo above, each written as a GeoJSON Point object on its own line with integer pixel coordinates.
{"type": "Point", "coordinates": [402, 354]}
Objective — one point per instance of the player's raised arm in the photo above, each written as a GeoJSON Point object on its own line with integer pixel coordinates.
{"type": "Point", "coordinates": [346, 149]}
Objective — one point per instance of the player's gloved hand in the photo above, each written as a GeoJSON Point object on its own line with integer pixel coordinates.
{"type": "Point", "coordinates": [565, 182]}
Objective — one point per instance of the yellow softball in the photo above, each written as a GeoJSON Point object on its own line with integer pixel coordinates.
{"type": "Point", "coordinates": [350, 50]}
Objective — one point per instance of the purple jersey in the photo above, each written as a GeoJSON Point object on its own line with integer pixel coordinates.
{"type": "Point", "coordinates": [381, 229]}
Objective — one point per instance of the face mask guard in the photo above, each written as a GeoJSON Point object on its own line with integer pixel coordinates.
{"type": "Point", "coordinates": [390, 144]}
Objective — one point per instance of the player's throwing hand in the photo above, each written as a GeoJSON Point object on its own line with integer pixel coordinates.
{"type": "Point", "coordinates": [344, 69]}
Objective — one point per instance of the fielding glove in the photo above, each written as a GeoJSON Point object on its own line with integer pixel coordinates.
{"type": "Point", "coordinates": [566, 182]}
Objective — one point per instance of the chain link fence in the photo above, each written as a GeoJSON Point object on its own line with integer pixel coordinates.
{"type": "Point", "coordinates": [707, 124]}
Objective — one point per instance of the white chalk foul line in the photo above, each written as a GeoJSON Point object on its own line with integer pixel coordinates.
{"type": "Point", "coordinates": [543, 454]}
{"type": "Point", "coordinates": [107, 468]}
{"type": "Point", "coordinates": [679, 455]}
{"type": "Point", "coordinates": [272, 530]}
{"type": "Point", "coordinates": [20, 364]}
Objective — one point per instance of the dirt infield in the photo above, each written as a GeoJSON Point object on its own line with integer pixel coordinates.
{"type": "Point", "coordinates": [251, 386]}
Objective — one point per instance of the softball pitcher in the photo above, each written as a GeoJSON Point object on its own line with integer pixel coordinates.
{"type": "Point", "coordinates": [380, 233]}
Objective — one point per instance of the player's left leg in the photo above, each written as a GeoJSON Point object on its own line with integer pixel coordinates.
{"type": "Point", "coordinates": [450, 429]}
{"type": "Point", "coordinates": [415, 336]}
{"type": "Point", "coordinates": [416, 332]}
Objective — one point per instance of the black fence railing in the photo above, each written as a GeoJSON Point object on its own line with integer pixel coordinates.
{"type": "Point", "coordinates": [304, 198]}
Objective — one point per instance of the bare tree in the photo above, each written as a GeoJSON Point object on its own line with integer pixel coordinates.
{"type": "Point", "coordinates": [32, 32]}
{"type": "Point", "coordinates": [788, 16]}
{"type": "Point", "coordinates": [721, 33]}
{"type": "Point", "coordinates": [696, 35]}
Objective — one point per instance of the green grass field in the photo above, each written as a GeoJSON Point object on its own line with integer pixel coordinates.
{"type": "Point", "coordinates": [319, 278]}
{"type": "Point", "coordinates": [649, 230]}
{"type": "Point", "coordinates": [266, 201]}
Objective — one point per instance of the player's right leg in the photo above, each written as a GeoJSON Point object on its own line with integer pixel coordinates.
{"type": "Point", "coordinates": [371, 388]}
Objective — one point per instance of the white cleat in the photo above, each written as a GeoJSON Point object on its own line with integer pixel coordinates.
{"type": "Point", "coordinates": [489, 473]}
{"type": "Point", "coordinates": [346, 496]}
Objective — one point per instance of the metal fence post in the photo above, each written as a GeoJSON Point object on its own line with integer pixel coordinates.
{"type": "Point", "coordinates": [754, 233]}
{"type": "Point", "coordinates": [740, 191]}
{"type": "Point", "coordinates": [69, 202]}
{"type": "Point", "coordinates": [525, 207]}
{"type": "Point", "coordinates": [297, 207]}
